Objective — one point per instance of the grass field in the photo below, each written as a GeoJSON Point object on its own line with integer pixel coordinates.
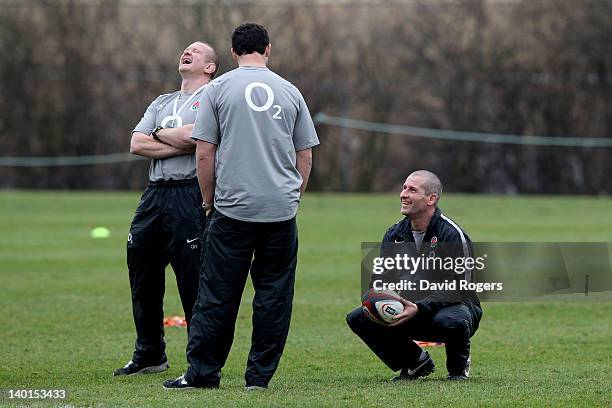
{"type": "Point", "coordinates": [66, 314]}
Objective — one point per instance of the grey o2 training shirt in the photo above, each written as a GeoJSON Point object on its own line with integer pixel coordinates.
{"type": "Point", "coordinates": [258, 120]}
{"type": "Point", "coordinates": [177, 167]}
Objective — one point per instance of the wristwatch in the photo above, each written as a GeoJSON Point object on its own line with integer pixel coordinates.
{"type": "Point", "coordinates": [154, 133]}
{"type": "Point", "coordinates": [207, 207]}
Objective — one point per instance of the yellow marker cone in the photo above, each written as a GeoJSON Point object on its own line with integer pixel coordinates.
{"type": "Point", "coordinates": [100, 232]}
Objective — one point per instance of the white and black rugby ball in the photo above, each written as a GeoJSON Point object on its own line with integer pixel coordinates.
{"type": "Point", "coordinates": [381, 306]}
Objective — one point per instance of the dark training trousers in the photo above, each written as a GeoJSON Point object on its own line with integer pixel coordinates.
{"type": "Point", "coordinates": [233, 247]}
{"type": "Point", "coordinates": [453, 325]}
{"type": "Point", "coordinates": [166, 230]}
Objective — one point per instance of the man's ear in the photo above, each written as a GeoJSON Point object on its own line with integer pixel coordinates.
{"type": "Point", "coordinates": [210, 68]}
{"type": "Point", "coordinates": [267, 50]}
{"type": "Point", "coordinates": [234, 55]}
{"type": "Point", "coordinates": [432, 199]}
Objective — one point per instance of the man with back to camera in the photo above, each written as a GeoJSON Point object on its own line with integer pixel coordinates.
{"type": "Point", "coordinates": [168, 222]}
{"type": "Point", "coordinates": [258, 126]}
{"type": "Point", "coordinates": [437, 317]}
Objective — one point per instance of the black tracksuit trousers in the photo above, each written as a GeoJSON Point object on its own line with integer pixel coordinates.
{"type": "Point", "coordinates": [232, 248]}
{"type": "Point", "coordinates": [452, 325]}
{"type": "Point", "coordinates": [166, 229]}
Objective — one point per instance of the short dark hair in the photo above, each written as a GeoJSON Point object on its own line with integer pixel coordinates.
{"type": "Point", "coordinates": [248, 38]}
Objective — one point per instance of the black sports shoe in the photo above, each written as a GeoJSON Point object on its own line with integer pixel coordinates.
{"type": "Point", "coordinates": [422, 368]}
{"type": "Point", "coordinates": [178, 384]}
{"type": "Point", "coordinates": [464, 375]}
{"type": "Point", "coordinates": [132, 368]}
{"type": "Point", "coordinates": [181, 383]}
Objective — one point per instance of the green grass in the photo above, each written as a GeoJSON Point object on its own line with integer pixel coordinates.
{"type": "Point", "coordinates": [66, 314]}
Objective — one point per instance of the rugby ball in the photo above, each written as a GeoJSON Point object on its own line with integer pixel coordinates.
{"type": "Point", "coordinates": [381, 306]}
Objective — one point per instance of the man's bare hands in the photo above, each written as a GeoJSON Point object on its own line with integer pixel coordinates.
{"type": "Point", "coordinates": [410, 309]}
{"type": "Point", "coordinates": [179, 137]}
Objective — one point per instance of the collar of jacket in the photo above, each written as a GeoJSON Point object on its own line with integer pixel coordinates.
{"type": "Point", "coordinates": [406, 227]}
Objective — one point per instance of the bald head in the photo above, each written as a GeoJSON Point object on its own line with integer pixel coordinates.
{"type": "Point", "coordinates": [430, 182]}
{"type": "Point", "coordinates": [210, 56]}
{"type": "Point", "coordinates": [198, 60]}
{"type": "Point", "coordinates": [420, 195]}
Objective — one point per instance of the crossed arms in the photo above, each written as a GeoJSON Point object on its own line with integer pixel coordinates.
{"type": "Point", "coordinates": [174, 142]}
{"type": "Point", "coordinates": [177, 141]}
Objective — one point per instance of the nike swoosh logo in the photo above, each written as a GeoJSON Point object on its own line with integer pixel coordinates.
{"type": "Point", "coordinates": [412, 372]}
{"type": "Point", "coordinates": [189, 241]}
{"type": "Point", "coordinates": [398, 242]}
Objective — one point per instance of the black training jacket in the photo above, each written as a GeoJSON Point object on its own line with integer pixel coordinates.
{"type": "Point", "coordinates": [443, 238]}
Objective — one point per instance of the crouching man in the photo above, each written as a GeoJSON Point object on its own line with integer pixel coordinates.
{"type": "Point", "coordinates": [440, 316]}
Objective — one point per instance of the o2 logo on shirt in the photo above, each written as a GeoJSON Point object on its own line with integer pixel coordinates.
{"type": "Point", "coordinates": [177, 121]}
{"type": "Point", "coordinates": [269, 101]}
